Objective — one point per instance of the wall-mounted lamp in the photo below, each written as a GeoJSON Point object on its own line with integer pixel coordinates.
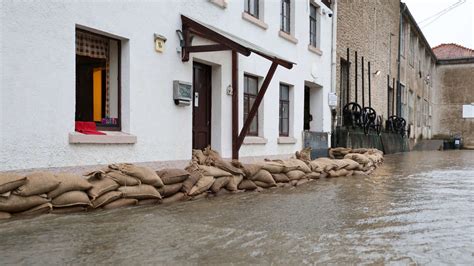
{"type": "Point", "coordinates": [159, 42]}
{"type": "Point", "coordinates": [376, 73]}
{"type": "Point", "coordinates": [180, 37]}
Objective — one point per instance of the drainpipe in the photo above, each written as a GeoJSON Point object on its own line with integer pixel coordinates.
{"type": "Point", "coordinates": [333, 70]}
{"type": "Point", "coordinates": [399, 92]}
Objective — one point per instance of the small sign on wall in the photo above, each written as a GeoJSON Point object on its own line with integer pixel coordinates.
{"type": "Point", "coordinates": [159, 43]}
{"type": "Point", "coordinates": [468, 111]}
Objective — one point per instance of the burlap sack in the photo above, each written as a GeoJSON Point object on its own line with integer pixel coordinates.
{"type": "Point", "coordinates": [171, 176]}
{"type": "Point", "coordinates": [295, 174]}
{"type": "Point", "coordinates": [247, 185]}
{"type": "Point", "coordinates": [322, 165]}
{"type": "Point", "coordinates": [70, 199]}
{"type": "Point", "coordinates": [140, 192]}
{"type": "Point", "coordinates": [102, 186]}
{"type": "Point", "coordinates": [295, 164]}
{"type": "Point", "coordinates": [16, 203]}
{"type": "Point", "coordinates": [302, 181]}
{"type": "Point", "coordinates": [304, 154]}
{"type": "Point", "coordinates": [69, 182]}
{"type": "Point", "coordinates": [66, 210]}
{"type": "Point", "coordinates": [202, 185]}
{"type": "Point", "coordinates": [323, 175]}
{"type": "Point", "coordinates": [273, 167]}
{"type": "Point", "coordinates": [38, 183]}
{"type": "Point", "coordinates": [9, 182]}
{"type": "Point", "coordinates": [213, 171]}
{"type": "Point", "coordinates": [341, 163]}
{"type": "Point", "coordinates": [228, 167]}
{"type": "Point", "coordinates": [263, 176]}
{"type": "Point", "coordinates": [180, 196]}
{"type": "Point", "coordinates": [122, 179]}
{"type": "Point", "coordinates": [351, 164]}
{"type": "Point", "coordinates": [359, 173]}
{"type": "Point", "coordinates": [145, 174]}
{"type": "Point", "coordinates": [359, 150]}
{"type": "Point", "coordinates": [360, 158]}
{"type": "Point", "coordinates": [338, 173]}
{"type": "Point", "coordinates": [194, 175]}
{"type": "Point", "coordinates": [313, 175]}
{"type": "Point", "coordinates": [280, 178]}
{"type": "Point", "coordinates": [5, 215]}
{"type": "Point", "coordinates": [198, 157]}
{"type": "Point", "coordinates": [6, 194]}
{"type": "Point", "coordinates": [264, 184]}
{"type": "Point", "coordinates": [41, 209]}
{"type": "Point", "coordinates": [234, 182]}
{"type": "Point", "coordinates": [294, 182]}
{"type": "Point", "coordinates": [350, 172]}
{"type": "Point", "coordinates": [106, 198]}
{"type": "Point", "coordinates": [219, 183]}
{"type": "Point", "coordinates": [169, 190]}
{"type": "Point", "coordinates": [120, 203]}
{"type": "Point", "coordinates": [200, 196]}
{"type": "Point", "coordinates": [251, 169]}
{"type": "Point", "coordinates": [149, 202]}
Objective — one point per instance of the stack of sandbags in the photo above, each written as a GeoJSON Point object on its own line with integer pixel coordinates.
{"type": "Point", "coordinates": [339, 152]}
{"type": "Point", "coordinates": [177, 182]}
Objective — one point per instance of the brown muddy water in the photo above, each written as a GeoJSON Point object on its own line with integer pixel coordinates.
{"type": "Point", "coordinates": [416, 209]}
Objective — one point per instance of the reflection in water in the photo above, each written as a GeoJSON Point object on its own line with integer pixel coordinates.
{"type": "Point", "coordinates": [417, 208]}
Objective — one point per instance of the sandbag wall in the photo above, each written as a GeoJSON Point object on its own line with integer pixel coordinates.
{"type": "Point", "coordinates": [121, 185]}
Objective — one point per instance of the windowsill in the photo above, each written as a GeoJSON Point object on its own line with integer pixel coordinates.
{"type": "Point", "coordinates": [286, 140]}
{"type": "Point", "coordinates": [246, 16]}
{"type": "Point", "coordinates": [315, 50]}
{"type": "Point", "coordinates": [220, 3]}
{"type": "Point", "coordinates": [112, 137]}
{"type": "Point", "coordinates": [287, 37]}
{"type": "Point", "coordinates": [255, 141]}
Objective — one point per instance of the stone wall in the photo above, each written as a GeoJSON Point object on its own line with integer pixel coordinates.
{"type": "Point", "coordinates": [455, 89]}
{"type": "Point", "coordinates": [371, 29]}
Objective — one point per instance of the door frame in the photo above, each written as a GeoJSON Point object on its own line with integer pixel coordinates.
{"type": "Point", "coordinates": [209, 99]}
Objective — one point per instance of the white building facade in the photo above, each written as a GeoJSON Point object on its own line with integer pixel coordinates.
{"type": "Point", "coordinates": [129, 95]}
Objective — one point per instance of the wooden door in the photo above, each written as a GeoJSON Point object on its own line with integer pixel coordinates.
{"type": "Point", "coordinates": [201, 106]}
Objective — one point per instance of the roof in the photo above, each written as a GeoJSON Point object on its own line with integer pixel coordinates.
{"type": "Point", "coordinates": [246, 45]}
{"type": "Point", "coordinates": [447, 51]}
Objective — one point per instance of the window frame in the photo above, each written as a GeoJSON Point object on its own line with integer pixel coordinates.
{"type": "Point", "coordinates": [256, 6]}
{"type": "Point", "coordinates": [285, 18]}
{"type": "Point", "coordinates": [313, 36]}
{"type": "Point", "coordinates": [282, 102]}
{"type": "Point", "coordinates": [246, 101]}
{"type": "Point", "coordinates": [99, 126]}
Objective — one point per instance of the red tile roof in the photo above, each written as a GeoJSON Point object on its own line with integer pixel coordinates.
{"type": "Point", "coordinates": [452, 51]}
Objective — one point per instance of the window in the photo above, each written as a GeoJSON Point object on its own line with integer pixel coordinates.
{"type": "Point", "coordinates": [285, 16]}
{"type": "Point", "coordinates": [344, 86]}
{"type": "Point", "coordinates": [419, 113]}
{"type": "Point", "coordinates": [402, 39]}
{"type": "Point", "coordinates": [313, 22]}
{"type": "Point", "coordinates": [251, 7]}
{"type": "Point", "coordinates": [390, 101]}
{"type": "Point", "coordinates": [250, 93]}
{"type": "Point", "coordinates": [98, 80]}
{"type": "Point", "coordinates": [284, 110]}
{"type": "Point", "coordinates": [411, 108]}
{"type": "Point", "coordinates": [411, 58]}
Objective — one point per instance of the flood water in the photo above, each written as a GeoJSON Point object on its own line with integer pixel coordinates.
{"type": "Point", "coordinates": [417, 208]}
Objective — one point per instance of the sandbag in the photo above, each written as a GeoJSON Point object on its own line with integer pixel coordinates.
{"type": "Point", "coordinates": [338, 173]}
{"type": "Point", "coordinates": [16, 203]}
{"type": "Point", "coordinates": [295, 164]}
{"type": "Point", "coordinates": [228, 167]}
{"type": "Point", "coordinates": [350, 172]}
{"type": "Point", "coordinates": [323, 175]}
{"type": "Point", "coordinates": [273, 167]}
{"type": "Point", "coordinates": [219, 183]}
{"type": "Point", "coordinates": [149, 202]}
{"type": "Point", "coordinates": [198, 157]}
{"type": "Point", "coordinates": [295, 174]}
{"type": "Point", "coordinates": [180, 196]}
{"type": "Point", "coordinates": [6, 194]}
{"type": "Point", "coordinates": [106, 198]}
{"type": "Point", "coordinates": [5, 215]}
{"type": "Point", "coordinates": [294, 182]}
{"type": "Point", "coordinates": [140, 192]}
{"type": "Point", "coordinates": [313, 175]}
{"type": "Point", "coordinates": [41, 209]}
{"type": "Point", "coordinates": [200, 196]}
{"type": "Point", "coordinates": [202, 185]}
{"type": "Point", "coordinates": [9, 182]}
{"type": "Point", "coordinates": [302, 181]}
{"type": "Point", "coordinates": [341, 163]}
{"type": "Point", "coordinates": [66, 210]}
{"type": "Point", "coordinates": [120, 203]}
{"type": "Point", "coordinates": [304, 154]}
{"type": "Point", "coordinates": [322, 165]}
{"type": "Point", "coordinates": [171, 176]}
{"type": "Point", "coordinates": [213, 171]}
{"type": "Point", "coordinates": [280, 178]}
{"type": "Point", "coordinates": [69, 182]}
{"type": "Point", "coordinates": [351, 164]}
{"type": "Point", "coordinates": [122, 179]}
{"type": "Point", "coordinates": [360, 158]}
{"type": "Point", "coordinates": [263, 176]}
{"type": "Point", "coordinates": [145, 174]}
{"type": "Point", "coordinates": [169, 190]}
{"type": "Point", "coordinates": [194, 175]}
{"type": "Point", "coordinates": [251, 169]}
{"type": "Point", "coordinates": [359, 173]}
{"type": "Point", "coordinates": [234, 182]}
{"type": "Point", "coordinates": [247, 185]}
{"type": "Point", "coordinates": [70, 199]}
{"type": "Point", "coordinates": [359, 150]}
{"type": "Point", "coordinates": [101, 186]}
{"type": "Point", "coordinates": [37, 183]}
{"type": "Point", "coordinates": [264, 184]}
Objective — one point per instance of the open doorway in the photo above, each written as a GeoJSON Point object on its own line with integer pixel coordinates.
{"type": "Point", "coordinates": [307, 109]}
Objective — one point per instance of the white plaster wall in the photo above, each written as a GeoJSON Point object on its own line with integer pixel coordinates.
{"type": "Point", "coordinates": [38, 79]}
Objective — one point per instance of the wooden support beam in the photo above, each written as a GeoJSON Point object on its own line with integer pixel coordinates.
{"type": "Point", "coordinates": [258, 100]}
{"type": "Point", "coordinates": [206, 48]}
{"type": "Point", "coordinates": [370, 90]}
{"type": "Point", "coordinates": [235, 105]}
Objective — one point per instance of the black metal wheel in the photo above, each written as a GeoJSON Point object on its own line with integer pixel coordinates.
{"type": "Point", "coordinates": [352, 113]}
